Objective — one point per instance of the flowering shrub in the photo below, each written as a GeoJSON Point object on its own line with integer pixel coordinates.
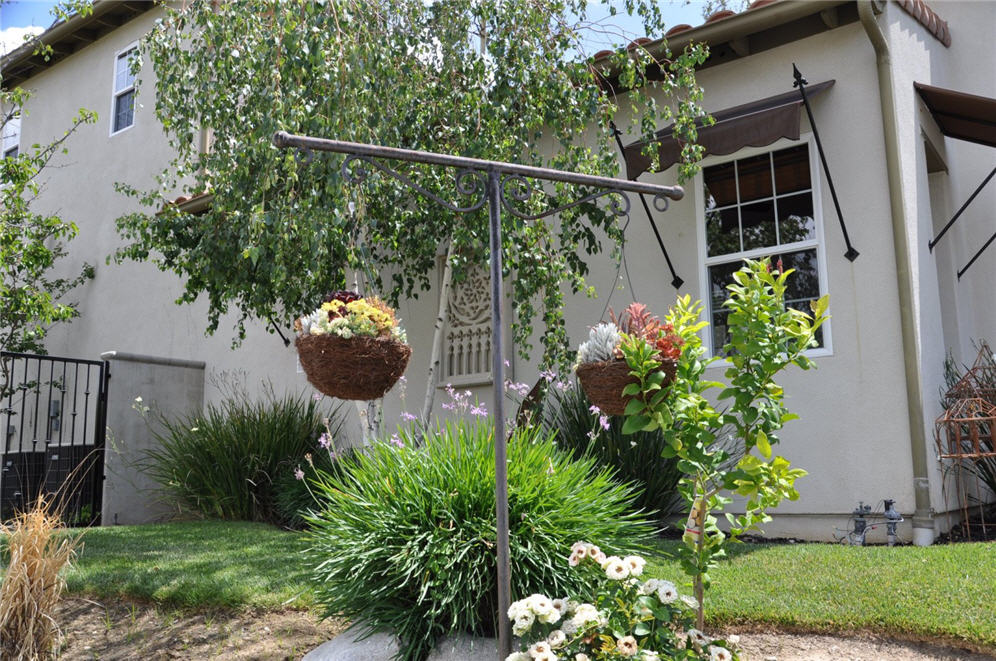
{"type": "Point", "coordinates": [403, 539]}
{"type": "Point", "coordinates": [619, 617]}
{"type": "Point", "coordinates": [346, 314]}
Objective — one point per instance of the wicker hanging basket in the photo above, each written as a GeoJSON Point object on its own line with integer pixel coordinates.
{"type": "Point", "coordinates": [603, 383]}
{"type": "Point", "coordinates": [356, 368]}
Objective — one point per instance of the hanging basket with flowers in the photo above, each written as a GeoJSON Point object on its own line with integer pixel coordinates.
{"type": "Point", "coordinates": [601, 368]}
{"type": "Point", "coordinates": [352, 347]}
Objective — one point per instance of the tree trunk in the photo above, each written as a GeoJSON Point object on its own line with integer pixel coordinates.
{"type": "Point", "coordinates": [437, 337]}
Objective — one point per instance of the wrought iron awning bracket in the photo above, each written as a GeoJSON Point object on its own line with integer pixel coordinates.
{"type": "Point", "coordinates": [800, 82]}
{"type": "Point", "coordinates": [497, 185]}
{"type": "Point", "coordinates": [944, 230]}
{"type": "Point", "coordinates": [676, 280]}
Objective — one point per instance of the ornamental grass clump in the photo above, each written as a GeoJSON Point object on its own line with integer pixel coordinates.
{"type": "Point", "coordinates": [616, 616]}
{"type": "Point", "coordinates": [35, 554]}
{"type": "Point", "coordinates": [232, 460]}
{"type": "Point", "coordinates": [404, 541]}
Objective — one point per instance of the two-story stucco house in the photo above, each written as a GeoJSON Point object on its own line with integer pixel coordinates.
{"type": "Point", "coordinates": [902, 99]}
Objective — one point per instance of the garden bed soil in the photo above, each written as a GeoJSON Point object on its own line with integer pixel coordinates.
{"type": "Point", "coordinates": [122, 631]}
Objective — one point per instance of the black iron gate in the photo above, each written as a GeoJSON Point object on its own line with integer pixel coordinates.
{"type": "Point", "coordinates": [53, 421]}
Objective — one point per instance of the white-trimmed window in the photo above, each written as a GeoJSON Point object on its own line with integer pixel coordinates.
{"type": "Point", "coordinates": [764, 203]}
{"type": "Point", "coordinates": [12, 137]}
{"type": "Point", "coordinates": [123, 101]}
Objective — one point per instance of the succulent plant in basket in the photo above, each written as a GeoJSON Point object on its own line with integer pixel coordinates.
{"type": "Point", "coordinates": [601, 368]}
{"type": "Point", "coordinates": [352, 347]}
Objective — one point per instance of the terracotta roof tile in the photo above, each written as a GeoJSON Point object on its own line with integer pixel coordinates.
{"type": "Point", "coordinates": [928, 18]}
{"type": "Point", "coordinates": [720, 15]}
{"type": "Point", "coordinates": [918, 9]}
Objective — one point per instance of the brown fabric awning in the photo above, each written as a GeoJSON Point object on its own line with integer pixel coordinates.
{"type": "Point", "coordinates": [959, 115]}
{"type": "Point", "coordinates": [754, 124]}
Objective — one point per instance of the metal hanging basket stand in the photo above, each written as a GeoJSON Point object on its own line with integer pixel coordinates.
{"type": "Point", "coordinates": [360, 368]}
{"type": "Point", "coordinates": [603, 382]}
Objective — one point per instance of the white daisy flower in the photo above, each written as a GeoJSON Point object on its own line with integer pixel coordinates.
{"type": "Point", "coordinates": [699, 639]}
{"type": "Point", "coordinates": [719, 654]}
{"type": "Point", "coordinates": [557, 638]}
{"type": "Point", "coordinates": [667, 592]}
{"type": "Point", "coordinates": [581, 656]}
{"type": "Point", "coordinates": [649, 587]}
{"type": "Point", "coordinates": [616, 569]}
{"type": "Point", "coordinates": [635, 563]}
{"type": "Point", "coordinates": [539, 647]}
{"type": "Point", "coordinates": [691, 602]}
{"type": "Point", "coordinates": [626, 646]}
{"type": "Point", "coordinates": [585, 615]}
{"type": "Point", "coordinates": [650, 655]}
{"type": "Point", "coordinates": [518, 656]}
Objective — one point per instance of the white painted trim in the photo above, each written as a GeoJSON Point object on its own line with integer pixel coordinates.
{"type": "Point", "coordinates": [816, 187]}
{"type": "Point", "coordinates": [115, 93]}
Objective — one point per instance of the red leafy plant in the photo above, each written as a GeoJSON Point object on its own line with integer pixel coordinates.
{"type": "Point", "coordinates": [636, 321]}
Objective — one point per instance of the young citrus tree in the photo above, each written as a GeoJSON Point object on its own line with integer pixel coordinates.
{"type": "Point", "coordinates": [765, 337]}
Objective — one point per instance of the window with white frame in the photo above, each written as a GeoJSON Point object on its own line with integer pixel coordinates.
{"type": "Point", "coordinates": [762, 205]}
{"type": "Point", "coordinates": [123, 105]}
{"type": "Point", "coordinates": [12, 137]}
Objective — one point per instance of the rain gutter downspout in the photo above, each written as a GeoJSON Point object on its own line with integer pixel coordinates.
{"type": "Point", "coordinates": [923, 522]}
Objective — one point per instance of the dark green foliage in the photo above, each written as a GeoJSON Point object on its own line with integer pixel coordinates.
{"type": "Point", "coordinates": [292, 498]}
{"type": "Point", "coordinates": [635, 458]}
{"type": "Point", "coordinates": [229, 462]}
{"type": "Point", "coordinates": [405, 540]}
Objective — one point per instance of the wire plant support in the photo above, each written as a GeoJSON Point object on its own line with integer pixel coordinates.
{"type": "Point", "coordinates": [500, 186]}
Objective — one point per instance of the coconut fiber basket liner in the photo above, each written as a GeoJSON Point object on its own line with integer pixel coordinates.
{"type": "Point", "coordinates": [603, 383]}
{"type": "Point", "coordinates": [355, 368]}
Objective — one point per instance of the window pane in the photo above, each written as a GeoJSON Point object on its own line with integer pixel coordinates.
{"type": "Point", "coordinates": [720, 276]}
{"type": "Point", "coordinates": [123, 77]}
{"type": "Point", "coordinates": [804, 283]}
{"type": "Point", "coordinates": [754, 177]}
{"type": "Point", "coordinates": [124, 110]}
{"type": "Point", "coordinates": [722, 232]}
{"type": "Point", "coordinates": [720, 185]}
{"type": "Point", "coordinates": [795, 218]}
{"type": "Point", "coordinates": [792, 170]}
{"type": "Point", "coordinates": [758, 223]}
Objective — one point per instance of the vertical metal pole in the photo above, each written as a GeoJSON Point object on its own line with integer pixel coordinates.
{"type": "Point", "coordinates": [501, 465]}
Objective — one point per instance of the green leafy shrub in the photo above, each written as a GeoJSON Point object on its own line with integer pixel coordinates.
{"type": "Point", "coordinates": [230, 461]}
{"type": "Point", "coordinates": [405, 539]}
{"type": "Point", "coordinates": [635, 458]}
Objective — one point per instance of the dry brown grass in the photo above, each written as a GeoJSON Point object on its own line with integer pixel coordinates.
{"type": "Point", "coordinates": [32, 585]}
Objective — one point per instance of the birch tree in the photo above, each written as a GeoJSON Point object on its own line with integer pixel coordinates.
{"type": "Point", "coordinates": [282, 231]}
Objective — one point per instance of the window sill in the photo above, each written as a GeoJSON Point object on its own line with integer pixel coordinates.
{"type": "Point", "coordinates": [822, 352]}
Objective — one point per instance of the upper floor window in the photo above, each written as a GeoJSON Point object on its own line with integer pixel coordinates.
{"type": "Point", "coordinates": [123, 105]}
{"type": "Point", "coordinates": [762, 205]}
{"type": "Point", "coordinates": [12, 137]}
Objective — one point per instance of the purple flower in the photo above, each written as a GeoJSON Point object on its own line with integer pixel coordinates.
{"type": "Point", "coordinates": [403, 379]}
{"type": "Point", "coordinates": [325, 441]}
{"type": "Point", "coordinates": [396, 440]}
{"type": "Point", "coordinates": [449, 406]}
{"type": "Point", "coordinates": [298, 473]}
{"type": "Point", "coordinates": [562, 386]}
{"type": "Point", "coordinates": [549, 375]}
{"type": "Point", "coordinates": [604, 421]}
{"type": "Point", "coordinates": [594, 409]}
{"type": "Point", "coordinates": [480, 410]}
{"type": "Point", "coordinates": [408, 417]}
{"type": "Point", "coordinates": [317, 397]}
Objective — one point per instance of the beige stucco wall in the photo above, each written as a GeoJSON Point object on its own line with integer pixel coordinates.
{"type": "Point", "coordinates": [853, 436]}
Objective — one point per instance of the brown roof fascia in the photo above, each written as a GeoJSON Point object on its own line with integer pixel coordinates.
{"type": "Point", "coordinates": [69, 36]}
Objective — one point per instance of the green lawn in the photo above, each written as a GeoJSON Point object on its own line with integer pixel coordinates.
{"type": "Point", "coordinates": [197, 564]}
{"type": "Point", "coordinates": [940, 592]}
{"type": "Point", "coordinates": [946, 592]}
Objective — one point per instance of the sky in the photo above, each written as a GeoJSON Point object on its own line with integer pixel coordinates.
{"type": "Point", "coordinates": [20, 17]}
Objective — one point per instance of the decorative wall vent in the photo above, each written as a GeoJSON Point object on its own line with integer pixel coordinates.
{"type": "Point", "coordinates": [466, 355]}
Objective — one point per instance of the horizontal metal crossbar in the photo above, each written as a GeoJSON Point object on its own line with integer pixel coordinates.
{"type": "Point", "coordinates": [284, 139]}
